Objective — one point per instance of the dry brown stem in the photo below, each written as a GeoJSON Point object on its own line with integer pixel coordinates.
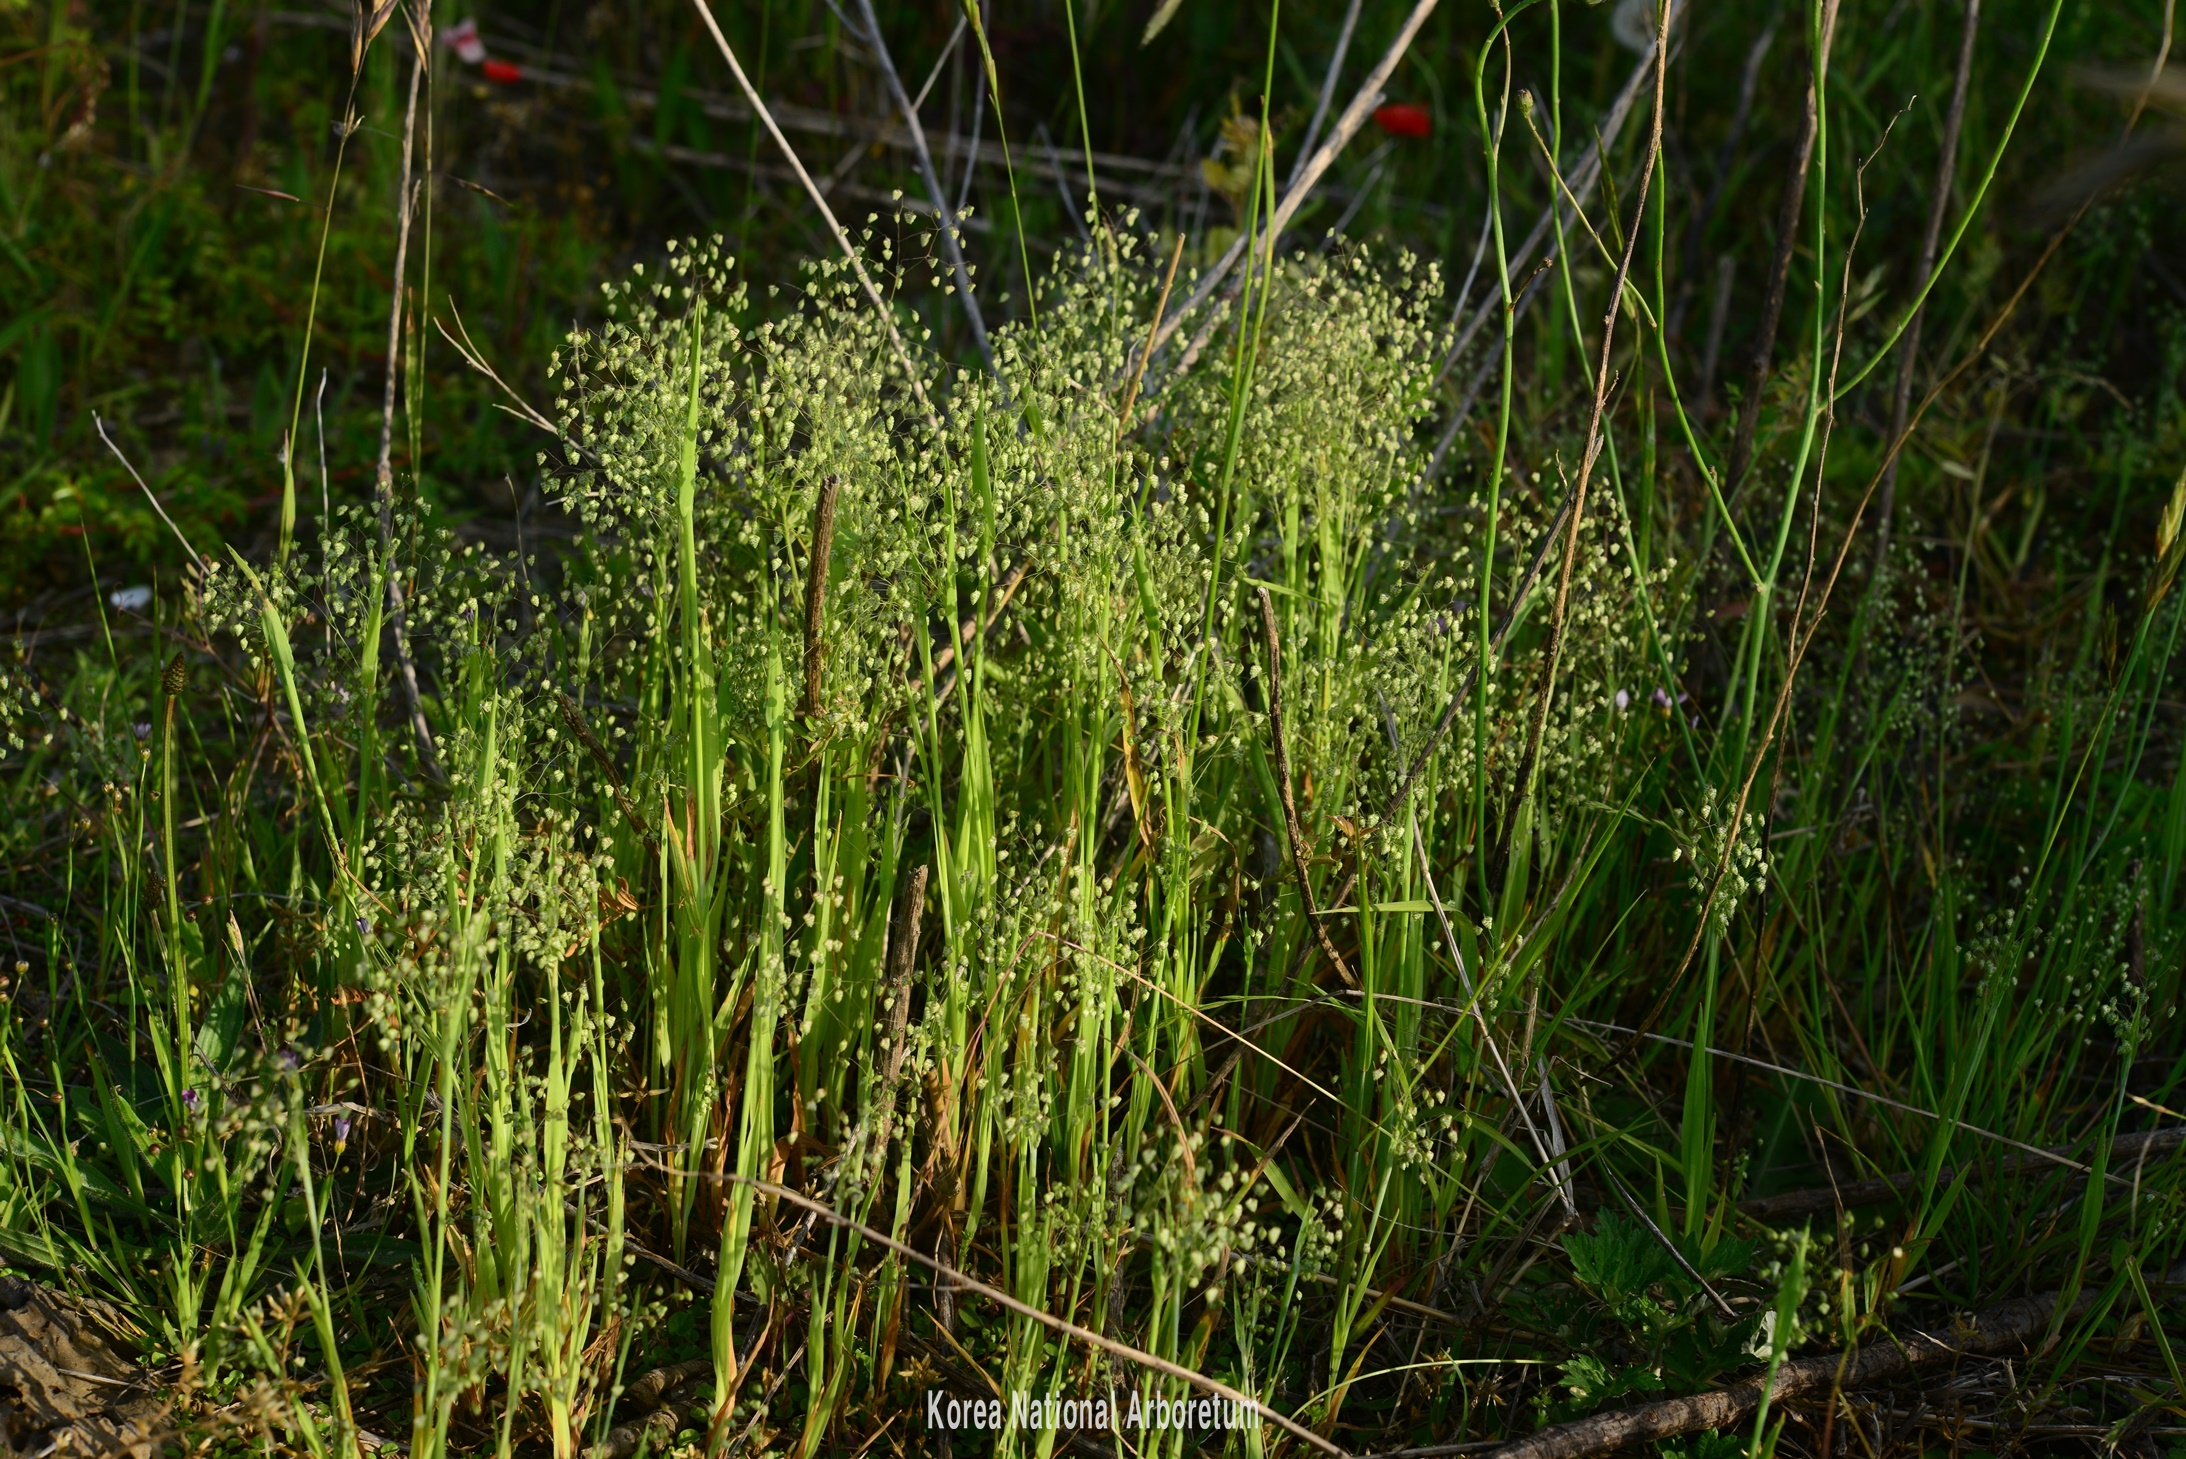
{"type": "Point", "coordinates": [1300, 856]}
{"type": "Point", "coordinates": [823, 548]}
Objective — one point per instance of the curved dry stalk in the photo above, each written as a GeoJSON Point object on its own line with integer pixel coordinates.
{"type": "Point", "coordinates": [473, 356]}
{"type": "Point", "coordinates": [100, 425]}
{"type": "Point", "coordinates": [1138, 372]}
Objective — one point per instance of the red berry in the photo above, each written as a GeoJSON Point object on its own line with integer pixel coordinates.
{"type": "Point", "coordinates": [504, 73]}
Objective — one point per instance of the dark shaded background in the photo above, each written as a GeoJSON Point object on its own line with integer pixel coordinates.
{"type": "Point", "coordinates": [155, 278]}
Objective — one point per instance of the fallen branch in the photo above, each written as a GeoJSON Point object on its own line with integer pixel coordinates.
{"type": "Point", "coordinates": [669, 1406]}
{"type": "Point", "coordinates": [2003, 1327]}
{"type": "Point", "coordinates": [646, 1391]}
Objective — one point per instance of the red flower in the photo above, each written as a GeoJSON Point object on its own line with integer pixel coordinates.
{"type": "Point", "coordinates": [505, 73]}
{"type": "Point", "coordinates": [1402, 119]}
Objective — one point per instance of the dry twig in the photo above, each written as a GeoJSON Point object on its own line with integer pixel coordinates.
{"type": "Point", "coordinates": [950, 246]}
{"type": "Point", "coordinates": [1347, 126]}
{"type": "Point", "coordinates": [819, 200]}
{"type": "Point", "coordinates": [384, 472]}
{"type": "Point", "coordinates": [1999, 1329]}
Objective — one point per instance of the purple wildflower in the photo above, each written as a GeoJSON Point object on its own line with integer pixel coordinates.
{"type": "Point", "coordinates": [193, 1100]}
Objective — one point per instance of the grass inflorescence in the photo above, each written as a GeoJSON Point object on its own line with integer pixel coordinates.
{"type": "Point", "coordinates": [1404, 850]}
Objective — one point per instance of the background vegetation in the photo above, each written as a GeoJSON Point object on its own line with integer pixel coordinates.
{"type": "Point", "coordinates": [1544, 808]}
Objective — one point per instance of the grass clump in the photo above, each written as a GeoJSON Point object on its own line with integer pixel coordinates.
{"type": "Point", "coordinates": [1156, 874]}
